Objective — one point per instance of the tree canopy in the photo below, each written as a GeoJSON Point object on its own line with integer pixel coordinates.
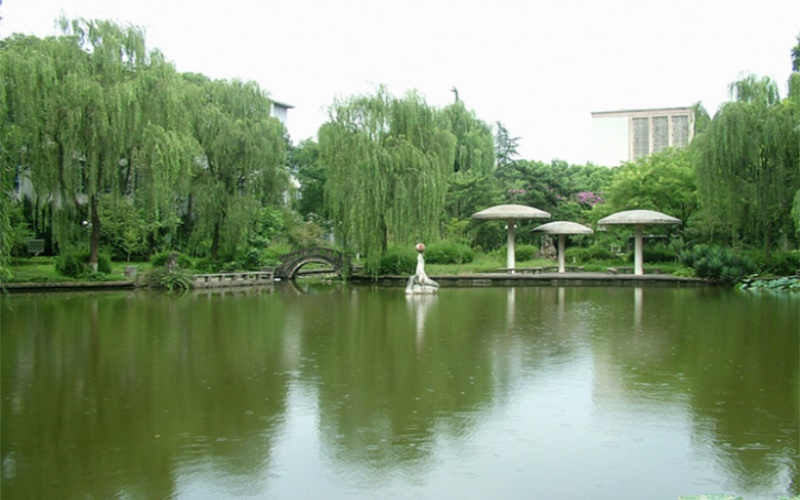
{"type": "Point", "coordinates": [748, 171]}
{"type": "Point", "coordinates": [92, 117]}
{"type": "Point", "coordinates": [387, 162]}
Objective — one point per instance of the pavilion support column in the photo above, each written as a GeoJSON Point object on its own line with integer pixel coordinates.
{"type": "Point", "coordinates": [561, 245]}
{"type": "Point", "coordinates": [511, 256]}
{"type": "Point", "coordinates": [638, 268]}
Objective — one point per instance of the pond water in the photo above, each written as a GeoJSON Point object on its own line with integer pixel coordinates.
{"type": "Point", "coordinates": [354, 392]}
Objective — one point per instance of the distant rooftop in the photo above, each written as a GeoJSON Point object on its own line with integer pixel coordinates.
{"type": "Point", "coordinates": [682, 109]}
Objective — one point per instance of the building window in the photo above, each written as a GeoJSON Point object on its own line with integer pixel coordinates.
{"type": "Point", "coordinates": [660, 133]}
{"type": "Point", "coordinates": [638, 133]}
{"type": "Point", "coordinates": [641, 137]}
{"type": "Point", "coordinates": [680, 131]}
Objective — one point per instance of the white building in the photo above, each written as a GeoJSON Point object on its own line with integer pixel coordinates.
{"type": "Point", "coordinates": [280, 110]}
{"type": "Point", "coordinates": [620, 136]}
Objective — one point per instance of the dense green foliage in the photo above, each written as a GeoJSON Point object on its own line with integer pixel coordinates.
{"type": "Point", "coordinates": [749, 168]}
{"type": "Point", "coordinates": [719, 264]}
{"type": "Point", "coordinates": [448, 252]}
{"type": "Point", "coordinates": [575, 254]}
{"type": "Point", "coordinates": [663, 181]}
{"type": "Point", "coordinates": [182, 260]}
{"type": "Point", "coordinates": [75, 264]}
{"type": "Point", "coordinates": [387, 162]}
{"type": "Point", "coordinates": [102, 133]}
{"type": "Point", "coordinates": [104, 145]}
{"type": "Point", "coordinates": [398, 261]}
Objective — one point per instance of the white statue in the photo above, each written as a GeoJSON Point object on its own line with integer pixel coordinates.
{"type": "Point", "coordinates": [420, 283]}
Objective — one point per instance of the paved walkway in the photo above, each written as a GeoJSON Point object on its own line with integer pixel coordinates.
{"type": "Point", "coordinates": [543, 279]}
{"type": "Point", "coordinates": [469, 280]}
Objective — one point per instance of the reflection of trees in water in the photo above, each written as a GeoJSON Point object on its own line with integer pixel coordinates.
{"type": "Point", "coordinates": [135, 384]}
{"type": "Point", "coordinates": [709, 349]}
{"type": "Point", "coordinates": [386, 396]}
{"type": "Point", "coordinates": [204, 377]}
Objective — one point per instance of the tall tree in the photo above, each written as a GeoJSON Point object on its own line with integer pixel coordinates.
{"type": "Point", "coordinates": [305, 165]}
{"type": "Point", "coordinates": [242, 165]}
{"type": "Point", "coordinates": [71, 101]}
{"type": "Point", "coordinates": [505, 146]}
{"type": "Point", "coordinates": [92, 113]}
{"type": "Point", "coordinates": [387, 163]}
{"type": "Point", "coordinates": [471, 183]}
{"type": "Point", "coordinates": [793, 102]}
{"type": "Point", "coordinates": [474, 140]}
{"type": "Point", "coordinates": [163, 159]}
{"type": "Point", "coordinates": [748, 170]}
{"type": "Point", "coordinates": [663, 181]}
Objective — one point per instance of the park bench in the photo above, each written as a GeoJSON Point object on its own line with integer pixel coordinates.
{"type": "Point", "coordinates": [629, 270]}
{"type": "Point", "coordinates": [521, 270]}
{"type": "Point", "coordinates": [569, 269]}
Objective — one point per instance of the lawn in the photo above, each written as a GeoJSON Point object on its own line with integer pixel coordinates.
{"type": "Point", "coordinates": [42, 269]}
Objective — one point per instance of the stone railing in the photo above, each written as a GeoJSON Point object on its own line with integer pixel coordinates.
{"type": "Point", "coordinates": [249, 278]}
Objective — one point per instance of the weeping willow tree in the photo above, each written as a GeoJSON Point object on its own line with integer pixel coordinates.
{"type": "Point", "coordinates": [475, 149]}
{"type": "Point", "coordinates": [471, 183]}
{"type": "Point", "coordinates": [86, 110]}
{"type": "Point", "coordinates": [387, 163]}
{"type": "Point", "coordinates": [160, 175]}
{"type": "Point", "coordinates": [748, 170]}
{"type": "Point", "coordinates": [42, 82]}
{"type": "Point", "coordinates": [794, 103]}
{"type": "Point", "coordinates": [242, 161]}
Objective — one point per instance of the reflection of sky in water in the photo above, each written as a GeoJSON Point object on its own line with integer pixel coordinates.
{"type": "Point", "coordinates": [549, 433]}
{"type": "Point", "coordinates": [505, 393]}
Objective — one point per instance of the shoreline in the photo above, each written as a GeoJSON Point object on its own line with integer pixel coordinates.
{"type": "Point", "coordinates": [445, 281]}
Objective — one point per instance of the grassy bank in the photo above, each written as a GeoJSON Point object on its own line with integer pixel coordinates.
{"type": "Point", "coordinates": [42, 269]}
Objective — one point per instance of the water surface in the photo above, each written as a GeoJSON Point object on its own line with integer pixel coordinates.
{"type": "Point", "coordinates": [361, 392]}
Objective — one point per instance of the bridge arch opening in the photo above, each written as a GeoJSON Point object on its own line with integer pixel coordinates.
{"type": "Point", "coordinates": [293, 262]}
{"type": "Point", "coordinates": [332, 267]}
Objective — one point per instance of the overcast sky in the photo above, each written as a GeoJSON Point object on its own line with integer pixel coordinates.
{"type": "Point", "coordinates": [539, 67]}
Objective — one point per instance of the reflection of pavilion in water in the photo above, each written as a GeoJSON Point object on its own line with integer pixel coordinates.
{"type": "Point", "coordinates": [670, 370]}
{"type": "Point", "coordinates": [382, 389]}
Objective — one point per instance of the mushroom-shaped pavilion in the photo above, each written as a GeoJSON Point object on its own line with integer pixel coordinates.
{"type": "Point", "coordinates": [562, 229]}
{"type": "Point", "coordinates": [638, 218]}
{"type": "Point", "coordinates": [511, 213]}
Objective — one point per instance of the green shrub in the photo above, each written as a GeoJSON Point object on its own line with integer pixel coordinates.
{"type": "Point", "coordinates": [781, 263]}
{"type": "Point", "coordinates": [75, 264]}
{"type": "Point", "coordinates": [586, 254]}
{"type": "Point", "coordinates": [160, 259]}
{"type": "Point", "coordinates": [253, 259]}
{"type": "Point", "coordinates": [718, 264]}
{"type": "Point", "coordinates": [171, 281]}
{"type": "Point", "coordinates": [658, 253]}
{"type": "Point", "coordinates": [232, 266]}
{"type": "Point", "coordinates": [599, 252]}
{"type": "Point", "coordinates": [576, 254]}
{"type": "Point", "coordinates": [446, 252]}
{"type": "Point", "coordinates": [207, 265]}
{"type": "Point", "coordinates": [524, 252]}
{"type": "Point", "coordinates": [71, 264]}
{"type": "Point", "coordinates": [398, 261]}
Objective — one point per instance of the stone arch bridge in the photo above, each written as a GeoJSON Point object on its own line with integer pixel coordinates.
{"type": "Point", "coordinates": [292, 262]}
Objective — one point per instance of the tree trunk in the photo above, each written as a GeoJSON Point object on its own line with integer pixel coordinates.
{"type": "Point", "coordinates": [215, 241]}
{"type": "Point", "coordinates": [94, 244]}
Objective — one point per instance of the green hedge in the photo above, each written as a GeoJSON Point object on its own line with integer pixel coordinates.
{"type": "Point", "coordinates": [160, 259]}
{"type": "Point", "coordinates": [74, 264]}
{"type": "Point", "coordinates": [398, 261]}
{"type": "Point", "coordinates": [586, 254]}
{"type": "Point", "coordinates": [718, 264]}
{"type": "Point", "coordinates": [447, 252]}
